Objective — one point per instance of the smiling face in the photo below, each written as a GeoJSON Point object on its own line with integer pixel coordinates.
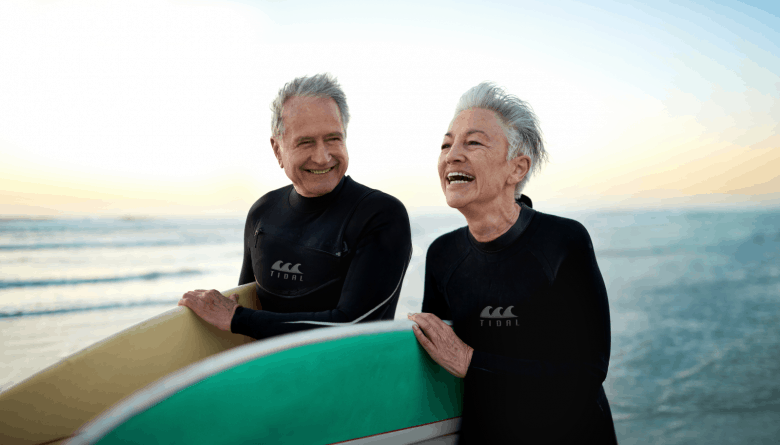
{"type": "Point", "coordinates": [473, 169]}
{"type": "Point", "coordinates": [312, 150]}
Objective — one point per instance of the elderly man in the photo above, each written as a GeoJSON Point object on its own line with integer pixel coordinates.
{"type": "Point", "coordinates": [530, 318]}
{"type": "Point", "coordinates": [324, 250]}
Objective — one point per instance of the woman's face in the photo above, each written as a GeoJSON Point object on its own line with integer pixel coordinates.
{"type": "Point", "coordinates": [472, 164]}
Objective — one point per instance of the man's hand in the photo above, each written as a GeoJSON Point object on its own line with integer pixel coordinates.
{"type": "Point", "coordinates": [211, 306]}
{"type": "Point", "coordinates": [444, 347]}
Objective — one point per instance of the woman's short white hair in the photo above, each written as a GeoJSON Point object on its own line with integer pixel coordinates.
{"type": "Point", "coordinates": [319, 85]}
{"type": "Point", "coordinates": [520, 124]}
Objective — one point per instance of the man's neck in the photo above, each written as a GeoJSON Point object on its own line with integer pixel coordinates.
{"type": "Point", "coordinates": [317, 203]}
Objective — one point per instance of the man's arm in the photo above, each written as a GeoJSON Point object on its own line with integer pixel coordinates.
{"type": "Point", "coordinates": [247, 275]}
{"type": "Point", "coordinates": [372, 283]}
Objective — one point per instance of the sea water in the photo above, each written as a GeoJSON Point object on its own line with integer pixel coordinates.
{"type": "Point", "coordinates": [694, 302]}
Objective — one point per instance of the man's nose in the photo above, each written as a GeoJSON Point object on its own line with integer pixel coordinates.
{"type": "Point", "coordinates": [321, 153]}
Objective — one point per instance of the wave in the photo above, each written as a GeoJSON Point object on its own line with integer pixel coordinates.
{"type": "Point", "coordinates": [75, 281]}
{"type": "Point", "coordinates": [104, 306]}
{"type": "Point", "coordinates": [112, 245]}
{"type": "Point", "coordinates": [648, 251]}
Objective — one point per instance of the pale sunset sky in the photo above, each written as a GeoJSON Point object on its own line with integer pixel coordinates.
{"type": "Point", "coordinates": [161, 108]}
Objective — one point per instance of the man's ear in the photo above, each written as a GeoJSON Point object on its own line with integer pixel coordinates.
{"type": "Point", "coordinates": [521, 165]}
{"type": "Point", "coordinates": [277, 151]}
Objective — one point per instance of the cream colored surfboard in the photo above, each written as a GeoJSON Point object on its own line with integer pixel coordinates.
{"type": "Point", "coordinates": [49, 406]}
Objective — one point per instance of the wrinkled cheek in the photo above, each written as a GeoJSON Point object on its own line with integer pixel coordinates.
{"type": "Point", "coordinates": [440, 171]}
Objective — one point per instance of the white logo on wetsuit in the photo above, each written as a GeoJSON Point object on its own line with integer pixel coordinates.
{"type": "Point", "coordinates": [497, 314]}
{"type": "Point", "coordinates": [287, 271]}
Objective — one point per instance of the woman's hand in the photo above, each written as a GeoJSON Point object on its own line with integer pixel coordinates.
{"type": "Point", "coordinates": [444, 347]}
{"type": "Point", "coordinates": [211, 306]}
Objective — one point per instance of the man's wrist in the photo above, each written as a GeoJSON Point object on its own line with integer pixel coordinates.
{"type": "Point", "coordinates": [469, 353]}
{"type": "Point", "coordinates": [232, 317]}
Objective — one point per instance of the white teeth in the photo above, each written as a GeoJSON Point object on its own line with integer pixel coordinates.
{"type": "Point", "coordinates": [451, 178]}
{"type": "Point", "coordinates": [319, 172]}
{"type": "Point", "coordinates": [459, 174]}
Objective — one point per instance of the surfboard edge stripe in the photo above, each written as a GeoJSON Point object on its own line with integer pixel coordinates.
{"type": "Point", "coordinates": [417, 433]}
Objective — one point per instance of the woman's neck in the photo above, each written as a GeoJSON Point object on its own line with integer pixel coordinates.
{"type": "Point", "coordinates": [489, 221]}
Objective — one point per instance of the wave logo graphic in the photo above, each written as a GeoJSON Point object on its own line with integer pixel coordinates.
{"type": "Point", "coordinates": [281, 266]}
{"type": "Point", "coordinates": [287, 271]}
{"type": "Point", "coordinates": [496, 313]}
{"type": "Point", "coordinates": [498, 317]}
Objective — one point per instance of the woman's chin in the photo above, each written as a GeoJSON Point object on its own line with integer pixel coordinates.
{"type": "Point", "coordinates": [456, 201]}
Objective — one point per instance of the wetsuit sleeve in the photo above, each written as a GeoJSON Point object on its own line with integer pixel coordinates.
{"type": "Point", "coordinates": [433, 299]}
{"type": "Point", "coordinates": [372, 284]}
{"type": "Point", "coordinates": [247, 275]}
{"type": "Point", "coordinates": [582, 335]}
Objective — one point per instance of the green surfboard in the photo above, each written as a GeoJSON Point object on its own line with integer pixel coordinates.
{"type": "Point", "coordinates": [367, 383]}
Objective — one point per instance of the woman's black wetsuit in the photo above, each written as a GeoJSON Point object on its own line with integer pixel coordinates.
{"type": "Point", "coordinates": [335, 259]}
{"type": "Point", "coordinates": [533, 305]}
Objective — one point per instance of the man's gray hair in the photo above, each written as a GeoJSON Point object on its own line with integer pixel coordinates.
{"type": "Point", "coordinates": [520, 124]}
{"type": "Point", "coordinates": [319, 85]}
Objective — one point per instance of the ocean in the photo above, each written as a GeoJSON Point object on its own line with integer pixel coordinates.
{"type": "Point", "coordinates": [694, 302]}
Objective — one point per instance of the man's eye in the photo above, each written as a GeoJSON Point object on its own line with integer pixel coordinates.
{"type": "Point", "coordinates": [445, 146]}
{"type": "Point", "coordinates": [473, 143]}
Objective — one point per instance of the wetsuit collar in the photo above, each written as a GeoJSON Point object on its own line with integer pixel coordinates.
{"type": "Point", "coordinates": [511, 235]}
{"type": "Point", "coordinates": [304, 204]}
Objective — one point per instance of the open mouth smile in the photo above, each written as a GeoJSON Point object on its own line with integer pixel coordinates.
{"type": "Point", "coordinates": [321, 172]}
{"type": "Point", "coordinates": [459, 178]}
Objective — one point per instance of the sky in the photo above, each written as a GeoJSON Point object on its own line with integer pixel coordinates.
{"type": "Point", "coordinates": [161, 108]}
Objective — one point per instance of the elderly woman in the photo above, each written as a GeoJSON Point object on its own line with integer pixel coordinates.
{"type": "Point", "coordinates": [530, 318]}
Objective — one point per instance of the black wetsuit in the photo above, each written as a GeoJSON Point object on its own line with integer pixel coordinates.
{"type": "Point", "coordinates": [335, 259]}
{"type": "Point", "coordinates": [533, 305]}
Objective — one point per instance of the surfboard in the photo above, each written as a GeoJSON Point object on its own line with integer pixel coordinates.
{"type": "Point", "coordinates": [358, 384]}
{"type": "Point", "coordinates": [50, 405]}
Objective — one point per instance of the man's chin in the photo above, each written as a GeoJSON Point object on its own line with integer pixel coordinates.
{"type": "Point", "coordinates": [322, 187]}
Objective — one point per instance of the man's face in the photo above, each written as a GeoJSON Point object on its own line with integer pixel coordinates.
{"type": "Point", "coordinates": [476, 147]}
{"type": "Point", "coordinates": [312, 150]}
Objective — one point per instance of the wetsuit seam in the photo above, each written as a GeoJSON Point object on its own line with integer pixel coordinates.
{"type": "Point", "coordinates": [452, 270]}
{"type": "Point", "coordinates": [271, 205]}
{"type": "Point", "coordinates": [351, 213]}
{"type": "Point", "coordinates": [358, 319]}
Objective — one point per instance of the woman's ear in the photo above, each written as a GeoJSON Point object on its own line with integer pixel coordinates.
{"type": "Point", "coordinates": [521, 166]}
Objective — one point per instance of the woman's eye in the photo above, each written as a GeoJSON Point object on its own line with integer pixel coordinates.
{"type": "Point", "coordinates": [473, 143]}
{"type": "Point", "coordinates": [445, 146]}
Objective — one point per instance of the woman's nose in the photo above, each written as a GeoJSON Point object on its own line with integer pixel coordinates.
{"type": "Point", "coordinates": [455, 154]}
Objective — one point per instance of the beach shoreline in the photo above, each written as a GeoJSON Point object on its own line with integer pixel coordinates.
{"type": "Point", "coordinates": [32, 344]}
